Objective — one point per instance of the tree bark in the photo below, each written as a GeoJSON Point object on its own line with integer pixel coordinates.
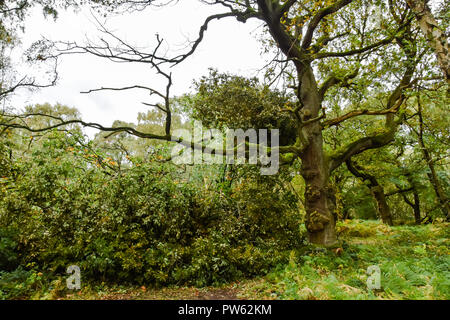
{"type": "Point", "coordinates": [416, 208]}
{"type": "Point", "coordinates": [319, 196]}
{"type": "Point", "coordinates": [432, 175]}
{"type": "Point", "coordinates": [414, 205]}
{"type": "Point", "coordinates": [383, 208]}
{"type": "Point", "coordinates": [377, 191]}
{"type": "Point", "coordinates": [319, 206]}
{"type": "Point", "coordinates": [435, 36]}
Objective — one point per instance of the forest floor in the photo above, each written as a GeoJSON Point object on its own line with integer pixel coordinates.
{"type": "Point", "coordinates": [414, 262]}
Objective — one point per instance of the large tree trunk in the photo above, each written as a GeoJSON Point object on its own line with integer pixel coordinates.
{"type": "Point", "coordinates": [320, 221]}
{"type": "Point", "coordinates": [319, 197]}
{"type": "Point", "coordinates": [316, 166]}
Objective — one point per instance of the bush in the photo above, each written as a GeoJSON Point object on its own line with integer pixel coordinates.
{"type": "Point", "coordinates": [9, 256]}
{"type": "Point", "coordinates": [146, 224]}
{"type": "Point", "coordinates": [18, 283]}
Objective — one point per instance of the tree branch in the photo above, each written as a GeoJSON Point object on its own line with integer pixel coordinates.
{"type": "Point", "coordinates": [334, 80]}
{"type": "Point", "coordinates": [318, 17]}
{"type": "Point", "coordinates": [321, 55]}
{"type": "Point", "coordinates": [352, 114]}
{"type": "Point", "coordinates": [152, 91]}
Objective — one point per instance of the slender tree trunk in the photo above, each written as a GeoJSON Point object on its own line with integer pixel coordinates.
{"type": "Point", "coordinates": [434, 180]}
{"type": "Point", "coordinates": [377, 191]}
{"type": "Point", "coordinates": [414, 205]}
{"type": "Point", "coordinates": [384, 211]}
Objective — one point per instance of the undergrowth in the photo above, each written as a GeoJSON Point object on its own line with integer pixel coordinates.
{"type": "Point", "coordinates": [414, 262]}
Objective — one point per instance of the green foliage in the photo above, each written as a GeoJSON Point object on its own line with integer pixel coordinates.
{"type": "Point", "coordinates": [9, 256]}
{"type": "Point", "coordinates": [18, 284]}
{"type": "Point", "coordinates": [225, 100]}
{"type": "Point", "coordinates": [147, 222]}
{"type": "Point", "coordinates": [418, 267]}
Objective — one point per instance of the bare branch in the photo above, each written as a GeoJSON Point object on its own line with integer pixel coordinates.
{"type": "Point", "coordinates": [240, 16]}
{"type": "Point", "coordinates": [152, 91]}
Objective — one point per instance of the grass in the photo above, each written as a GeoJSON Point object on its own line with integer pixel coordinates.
{"type": "Point", "coordinates": [414, 263]}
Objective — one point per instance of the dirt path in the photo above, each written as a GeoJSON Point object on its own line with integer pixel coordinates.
{"type": "Point", "coordinates": [209, 293]}
{"type": "Point", "coordinates": [219, 294]}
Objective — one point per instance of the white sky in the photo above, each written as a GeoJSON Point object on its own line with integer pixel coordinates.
{"type": "Point", "coordinates": [228, 46]}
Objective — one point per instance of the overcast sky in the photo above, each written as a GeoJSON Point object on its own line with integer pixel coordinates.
{"type": "Point", "coordinates": [228, 46]}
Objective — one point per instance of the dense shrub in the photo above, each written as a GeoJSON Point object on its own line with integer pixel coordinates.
{"type": "Point", "coordinates": [147, 223]}
{"type": "Point", "coordinates": [9, 256]}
